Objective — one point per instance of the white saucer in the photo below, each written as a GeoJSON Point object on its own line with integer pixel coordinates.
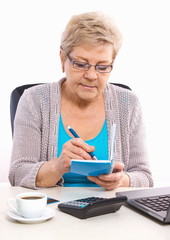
{"type": "Point", "coordinates": [48, 213]}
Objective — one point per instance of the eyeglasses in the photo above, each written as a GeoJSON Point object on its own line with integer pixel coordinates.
{"type": "Point", "coordinates": [85, 66]}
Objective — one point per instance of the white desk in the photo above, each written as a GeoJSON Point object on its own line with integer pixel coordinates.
{"type": "Point", "coordinates": [125, 224]}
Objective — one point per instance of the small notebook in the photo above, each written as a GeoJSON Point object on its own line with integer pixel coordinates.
{"type": "Point", "coordinates": [91, 167]}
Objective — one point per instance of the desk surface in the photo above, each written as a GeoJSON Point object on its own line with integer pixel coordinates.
{"type": "Point", "coordinates": [124, 224]}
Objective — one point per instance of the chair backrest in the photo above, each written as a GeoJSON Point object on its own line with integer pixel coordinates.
{"type": "Point", "coordinates": [122, 85]}
{"type": "Point", "coordinates": [14, 99]}
{"type": "Point", "coordinates": [17, 92]}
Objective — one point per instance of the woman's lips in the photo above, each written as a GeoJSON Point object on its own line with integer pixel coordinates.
{"type": "Point", "coordinates": [88, 86]}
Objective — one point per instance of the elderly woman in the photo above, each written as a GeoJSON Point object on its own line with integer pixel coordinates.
{"type": "Point", "coordinates": [42, 145]}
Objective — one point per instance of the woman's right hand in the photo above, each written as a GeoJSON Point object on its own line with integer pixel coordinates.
{"type": "Point", "coordinates": [75, 148]}
{"type": "Point", "coordinates": [51, 171]}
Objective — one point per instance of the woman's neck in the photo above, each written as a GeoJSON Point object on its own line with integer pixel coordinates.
{"type": "Point", "coordinates": [87, 119]}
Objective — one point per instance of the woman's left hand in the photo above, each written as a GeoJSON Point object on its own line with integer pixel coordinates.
{"type": "Point", "coordinates": [113, 180]}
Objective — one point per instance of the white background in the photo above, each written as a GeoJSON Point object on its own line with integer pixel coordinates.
{"type": "Point", "coordinates": [30, 33]}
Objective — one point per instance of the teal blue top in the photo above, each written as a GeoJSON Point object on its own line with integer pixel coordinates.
{"type": "Point", "coordinates": [101, 151]}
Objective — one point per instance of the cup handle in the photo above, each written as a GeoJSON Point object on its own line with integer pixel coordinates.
{"type": "Point", "coordinates": [10, 205]}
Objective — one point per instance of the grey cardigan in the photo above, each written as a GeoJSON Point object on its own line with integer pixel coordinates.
{"type": "Point", "coordinates": [36, 133]}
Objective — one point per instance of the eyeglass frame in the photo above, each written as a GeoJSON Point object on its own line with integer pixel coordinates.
{"type": "Point", "coordinates": [89, 65]}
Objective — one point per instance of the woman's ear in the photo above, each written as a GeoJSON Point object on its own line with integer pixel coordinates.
{"type": "Point", "coordinates": [62, 59]}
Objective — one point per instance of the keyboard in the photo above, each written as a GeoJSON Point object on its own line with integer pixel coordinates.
{"type": "Point", "coordinates": [157, 203]}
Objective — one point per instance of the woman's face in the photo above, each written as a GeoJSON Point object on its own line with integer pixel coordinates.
{"type": "Point", "coordinates": [87, 85]}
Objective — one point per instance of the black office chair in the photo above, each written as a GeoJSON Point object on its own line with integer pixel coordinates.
{"type": "Point", "coordinates": [14, 99]}
{"type": "Point", "coordinates": [17, 92]}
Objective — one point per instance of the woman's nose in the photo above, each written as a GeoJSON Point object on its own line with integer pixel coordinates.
{"type": "Point", "coordinates": [91, 73]}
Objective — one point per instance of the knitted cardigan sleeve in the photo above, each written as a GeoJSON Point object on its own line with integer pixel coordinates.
{"type": "Point", "coordinates": [28, 139]}
{"type": "Point", "coordinates": [133, 140]}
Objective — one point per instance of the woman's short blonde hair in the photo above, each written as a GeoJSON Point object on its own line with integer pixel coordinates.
{"type": "Point", "coordinates": [90, 28]}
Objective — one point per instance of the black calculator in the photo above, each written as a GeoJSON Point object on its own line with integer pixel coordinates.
{"type": "Point", "coordinates": [92, 206]}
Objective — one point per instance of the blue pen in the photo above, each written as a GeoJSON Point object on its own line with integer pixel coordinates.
{"type": "Point", "coordinates": [77, 136]}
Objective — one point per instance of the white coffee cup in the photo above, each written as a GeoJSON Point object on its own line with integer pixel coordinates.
{"type": "Point", "coordinates": [28, 204]}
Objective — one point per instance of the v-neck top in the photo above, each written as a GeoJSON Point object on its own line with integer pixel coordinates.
{"type": "Point", "coordinates": [101, 151]}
